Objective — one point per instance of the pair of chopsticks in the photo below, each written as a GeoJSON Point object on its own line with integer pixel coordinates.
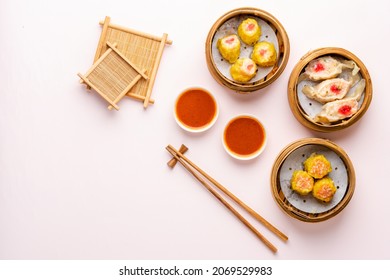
{"type": "Point", "coordinates": [200, 175]}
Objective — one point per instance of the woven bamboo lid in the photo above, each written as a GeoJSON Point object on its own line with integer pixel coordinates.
{"type": "Point", "coordinates": [272, 30]}
{"type": "Point", "coordinates": [305, 109]}
{"type": "Point", "coordinates": [305, 207]}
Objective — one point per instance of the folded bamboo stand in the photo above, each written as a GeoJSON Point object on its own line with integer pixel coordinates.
{"type": "Point", "coordinates": [144, 50]}
{"type": "Point", "coordinates": [203, 177]}
{"type": "Point", "coordinates": [112, 76]}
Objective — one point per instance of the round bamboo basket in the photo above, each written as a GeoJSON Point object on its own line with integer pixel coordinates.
{"type": "Point", "coordinates": [296, 106]}
{"type": "Point", "coordinates": [277, 31]}
{"type": "Point", "coordinates": [307, 208]}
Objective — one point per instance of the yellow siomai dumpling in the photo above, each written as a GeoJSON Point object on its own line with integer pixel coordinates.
{"type": "Point", "coordinates": [302, 182]}
{"type": "Point", "coordinates": [324, 189]}
{"type": "Point", "coordinates": [317, 166]}
{"type": "Point", "coordinates": [249, 31]}
{"type": "Point", "coordinates": [229, 47]}
{"type": "Point", "coordinates": [264, 54]}
{"type": "Point", "coordinates": [243, 70]}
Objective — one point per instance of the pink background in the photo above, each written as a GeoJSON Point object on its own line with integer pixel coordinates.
{"type": "Point", "coordinates": [80, 182]}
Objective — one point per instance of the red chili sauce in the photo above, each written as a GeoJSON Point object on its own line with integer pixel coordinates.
{"type": "Point", "coordinates": [195, 108]}
{"type": "Point", "coordinates": [244, 136]}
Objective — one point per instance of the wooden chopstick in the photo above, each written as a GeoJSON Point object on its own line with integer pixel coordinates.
{"type": "Point", "coordinates": [221, 199]}
{"type": "Point", "coordinates": [252, 212]}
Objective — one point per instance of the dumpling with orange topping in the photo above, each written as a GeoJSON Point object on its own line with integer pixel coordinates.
{"type": "Point", "coordinates": [249, 31]}
{"type": "Point", "coordinates": [229, 47]}
{"type": "Point", "coordinates": [302, 182]}
{"type": "Point", "coordinates": [243, 70]}
{"type": "Point", "coordinates": [264, 54]}
{"type": "Point", "coordinates": [317, 166]}
{"type": "Point", "coordinates": [324, 189]}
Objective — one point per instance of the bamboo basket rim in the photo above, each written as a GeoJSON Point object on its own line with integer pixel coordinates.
{"type": "Point", "coordinates": [292, 211]}
{"type": "Point", "coordinates": [295, 106]}
{"type": "Point", "coordinates": [284, 48]}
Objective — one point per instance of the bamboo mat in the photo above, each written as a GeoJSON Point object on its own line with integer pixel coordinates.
{"type": "Point", "coordinates": [112, 76]}
{"type": "Point", "coordinates": [144, 50]}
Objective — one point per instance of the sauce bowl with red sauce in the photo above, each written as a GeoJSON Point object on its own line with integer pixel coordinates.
{"type": "Point", "coordinates": [196, 109]}
{"type": "Point", "coordinates": [244, 137]}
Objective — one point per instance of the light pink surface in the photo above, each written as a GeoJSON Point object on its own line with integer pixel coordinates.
{"type": "Point", "coordinates": [80, 182]}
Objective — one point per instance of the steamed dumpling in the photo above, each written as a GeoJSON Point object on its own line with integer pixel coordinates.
{"type": "Point", "coordinates": [327, 67]}
{"type": "Point", "coordinates": [337, 110]}
{"type": "Point", "coordinates": [332, 89]}
{"type": "Point", "coordinates": [317, 166]}
{"type": "Point", "coordinates": [229, 47]}
{"type": "Point", "coordinates": [328, 90]}
{"type": "Point", "coordinates": [243, 70]}
{"type": "Point", "coordinates": [324, 189]}
{"type": "Point", "coordinates": [249, 31]}
{"type": "Point", "coordinates": [302, 182]}
{"type": "Point", "coordinates": [264, 54]}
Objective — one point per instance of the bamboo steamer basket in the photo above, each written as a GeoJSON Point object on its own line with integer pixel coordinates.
{"type": "Point", "coordinates": [307, 208]}
{"type": "Point", "coordinates": [296, 106]}
{"type": "Point", "coordinates": [257, 83]}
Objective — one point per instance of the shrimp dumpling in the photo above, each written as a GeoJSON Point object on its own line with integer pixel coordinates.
{"type": "Point", "coordinates": [328, 90]}
{"type": "Point", "coordinates": [229, 47]}
{"type": "Point", "coordinates": [249, 31]}
{"type": "Point", "coordinates": [332, 89]}
{"type": "Point", "coordinates": [337, 110]}
{"type": "Point", "coordinates": [243, 70]}
{"type": "Point", "coordinates": [327, 67]}
{"type": "Point", "coordinates": [264, 54]}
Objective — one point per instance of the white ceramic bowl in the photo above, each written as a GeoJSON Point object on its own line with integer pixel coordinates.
{"type": "Point", "coordinates": [199, 128]}
{"type": "Point", "coordinates": [252, 155]}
